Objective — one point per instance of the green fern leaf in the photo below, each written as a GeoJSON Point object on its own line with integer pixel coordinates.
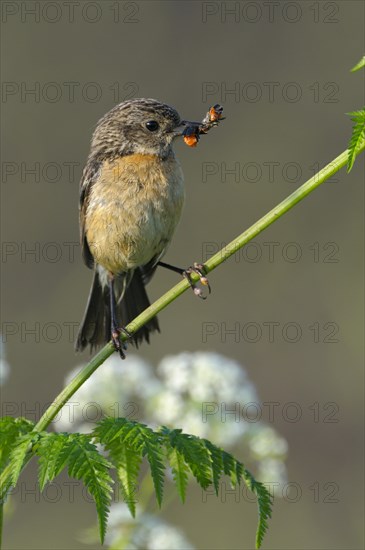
{"type": "Point", "coordinates": [236, 471]}
{"type": "Point", "coordinates": [127, 460]}
{"type": "Point", "coordinates": [137, 437]}
{"type": "Point", "coordinates": [86, 463]}
{"type": "Point", "coordinates": [180, 471]}
{"type": "Point", "coordinates": [10, 429]}
{"type": "Point", "coordinates": [17, 456]}
{"type": "Point", "coordinates": [358, 136]}
{"type": "Point", "coordinates": [217, 463]}
{"type": "Point", "coordinates": [128, 464]}
{"type": "Point", "coordinates": [155, 458]}
{"type": "Point", "coordinates": [264, 502]}
{"type": "Point", "coordinates": [194, 452]}
{"type": "Point", "coordinates": [185, 452]}
{"type": "Point", "coordinates": [53, 450]}
{"type": "Point", "coordinates": [229, 468]}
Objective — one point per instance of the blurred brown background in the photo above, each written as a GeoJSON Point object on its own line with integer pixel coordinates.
{"type": "Point", "coordinates": [288, 64]}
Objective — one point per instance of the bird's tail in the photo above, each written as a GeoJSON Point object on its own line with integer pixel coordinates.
{"type": "Point", "coordinates": [95, 328]}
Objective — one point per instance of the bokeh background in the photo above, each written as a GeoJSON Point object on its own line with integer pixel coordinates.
{"type": "Point", "coordinates": [281, 71]}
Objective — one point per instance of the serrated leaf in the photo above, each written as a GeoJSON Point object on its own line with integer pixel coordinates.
{"type": "Point", "coordinates": [128, 463]}
{"type": "Point", "coordinates": [357, 137]}
{"type": "Point", "coordinates": [155, 458]}
{"type": "Point", "coordinates": [195, 453]}
{"type": "Point", "coordinates": [180, 471]}
{"type": "Point", "coordinates": [217, 463]}
{"type": "Point", "coordinates": [52, 450]}
{"type": "Point", "coordinates": [229, 467]}
{"type": "Point", "coordinates": [140, 438]}
{"type": "Point", "coordinates": [10, 429]}
{"type": "Point", "coordinates": [18, 454]}
{"type": "Point", "coordinates": [86, 463]}
{"type": "Point", "coordinates": [185, 452]}
{"type": "Point", "coordinates": [264, 502]}
{"type": "Point", "coordinates": [109, 429]}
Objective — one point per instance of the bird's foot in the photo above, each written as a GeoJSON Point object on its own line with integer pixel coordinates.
{"type": "Point", "coordinates": [119, 346]}
{"type": "Point", "coordinates": [199, 269]}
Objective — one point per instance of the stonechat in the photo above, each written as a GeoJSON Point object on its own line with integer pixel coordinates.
{"type": "Point", "coordinates": [131, 198]}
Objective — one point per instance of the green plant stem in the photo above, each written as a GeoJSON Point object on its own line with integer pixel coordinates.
{"type": "Point", "coordinates": [279, 210]}
{"type": "Point", "coordinates": [182, 286]}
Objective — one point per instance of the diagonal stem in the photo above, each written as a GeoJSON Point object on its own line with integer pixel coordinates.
{"type": "Point", "coordinates": [184, 285]}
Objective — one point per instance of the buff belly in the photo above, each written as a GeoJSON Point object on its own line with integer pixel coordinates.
{"type": "Point", "coordinates": [134, 207]}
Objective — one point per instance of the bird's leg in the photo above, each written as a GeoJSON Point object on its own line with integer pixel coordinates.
{"type": "Point", "coordinates": [199, 269]}
{"type": "Point", "coordinates": [115, 331]}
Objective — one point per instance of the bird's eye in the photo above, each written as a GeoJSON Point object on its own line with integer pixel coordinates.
{"type": "Point", "coordinates": [152, 125]}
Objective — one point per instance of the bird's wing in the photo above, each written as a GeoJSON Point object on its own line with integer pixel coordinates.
{"type": "Point", "coordinates": [148, 270]}
{"type": "Point", "coordinates": [89, 175]}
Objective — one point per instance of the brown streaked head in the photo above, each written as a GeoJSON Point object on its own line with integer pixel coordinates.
{"type": "Point", "coordinates": [143, 126]}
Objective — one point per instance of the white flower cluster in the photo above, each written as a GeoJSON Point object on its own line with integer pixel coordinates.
{"type": "Point", "coordinates": [204, 394]}
{"type": "Point", "coordinates": [146, 532]}
{"type": "Point", "coordinates": [269, 450]}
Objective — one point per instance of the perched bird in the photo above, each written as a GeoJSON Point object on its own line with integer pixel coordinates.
{"type": "Point", "coordinates": [131, 197]}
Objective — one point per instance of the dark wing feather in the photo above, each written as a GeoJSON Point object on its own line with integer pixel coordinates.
{"type": "Point", "coordinates": [89, 175]}
{"type": "Point", "coordinates": [148, 270]}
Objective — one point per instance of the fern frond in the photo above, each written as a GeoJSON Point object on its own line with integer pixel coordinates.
{"type": "Point", "coordinates": [217, 463]}
{"type": "Point", "coordinates": [357, 137]}
{"type": "Point", "coordinates": [53, 450]}
{"type": "Point", "coordinates": [229, 467]}
{"type": "Point", "coordinates": [194, 452]}
{"type": "Point", "coordinates": [23, 445]}
{"type": "Point", "coordinates": [137, 437]}
{"type": "Point", "coordinates": [10, 429]}
{"type": "Point", "coordinates": [179, 468]}
{"type": "Point", "coordinates": [128, 441]}
{"type": "Point", "coordinates": [128, 463]}
{"type": "Point", "coordinates": [19, 449]}
{"type": "Point", "coordinates": [86, 463]}
{"type": "Point", "coordinates": [264, 503]}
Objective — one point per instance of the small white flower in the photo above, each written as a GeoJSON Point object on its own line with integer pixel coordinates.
{"type": "Point", "coordinates": [114, 389]}
{"type": "Point", "coordinates": [267, 443]}
{"type": "Point", "coordinates": [175, 371]}
{"type": "Point", "coordinates": [146, 532]}
{"type": "Point", "coordinates": [166, 407]}
{"type": "Point", "coordinates": [195, 380]}
{"type": "Point", "coordinates": [272, 471]}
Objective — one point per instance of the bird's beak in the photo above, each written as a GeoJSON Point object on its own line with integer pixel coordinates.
{"type": "Point", "coordinates": [184, 124]}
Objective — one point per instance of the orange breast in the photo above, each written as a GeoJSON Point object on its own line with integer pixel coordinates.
{"type": "Point", "coordinates": [134, 207]}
